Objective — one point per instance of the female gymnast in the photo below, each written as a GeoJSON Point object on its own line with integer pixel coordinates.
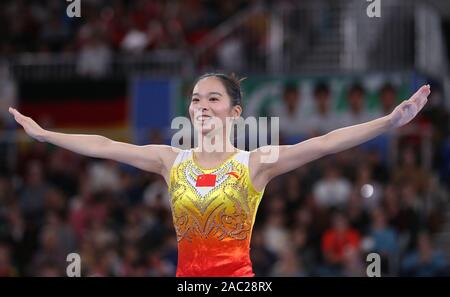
{"type": "Point", "coordinates": [215, 194]}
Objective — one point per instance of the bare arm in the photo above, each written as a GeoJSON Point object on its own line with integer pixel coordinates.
{"type": "Point", "coordinates": [348, 137]}
{"type": "Point", "coordinates": [147, 157]}
{"type": "Point", "coordinates": [152, 158]}
{"type": "Point", "coordinates": [294, 156]}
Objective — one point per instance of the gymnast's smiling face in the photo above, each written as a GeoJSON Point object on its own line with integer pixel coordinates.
{"type": "Point", "coordinates": [211, 106]}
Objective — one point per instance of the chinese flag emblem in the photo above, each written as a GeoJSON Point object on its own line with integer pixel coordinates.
{"type": "Point", "coordinates": [206, 180]}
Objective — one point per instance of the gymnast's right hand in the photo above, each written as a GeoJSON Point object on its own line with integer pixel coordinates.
{"type": "Point", "coordinates": [29, 125]}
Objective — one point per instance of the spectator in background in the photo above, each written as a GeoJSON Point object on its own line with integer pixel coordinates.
{"type": "Point", "coordinates": [304, 249]}
{"type": "Point", "coordinates": [332, 190]}
{"type": "Point", "coordinates": [411, 217]}
{"type": "Point", "coordinates": [101, 235]}
{"type": "Point", "coordinates": [136, 41]}
{"type": "Point", "coordinates": [156, 196]}
{"type": "Point", "coordinates": [356, 112]}
{"type": "Point", "coordinates": [87, 255]}
{"type": "Point", "coordinates": [409, 171]}
{"type": "Point", "coordinates": [339, 240]}
{"type": "Point", "coordinates": [49, 269]}
{"type": "Point", "coordinates": [353, 264]}
{"type": "Point", "coordinates": [49, 253]}
{"type": "Point", "coordinates": [130, 257]}
{"type": "Point", "coordinates": [288, 264]}
{"type": "Point", "coordinates": [384, 241]}
{"type": "Point", "coordinates": [262, 258]}
{"type": "Point", "coordinates": [62, 170]}
{"type": "Point", "coordinates": [293, 124]}
{"type": "Point", "coordinates": [104, 175]}
{"type": "Point", "coordinates": [357, 213]}
{"type": "Point", "coordinates": [157, 265]}
{"type": "Point", "coordinates": [133, 230]}
{"type": "Point", "coordinates": [391, 205]}
{"type": "Point", "coordinates": [54, 33]}
{"type": "Point", "coordinates": [444, 166]}
{"type": "Point", "coordinates": [294, 194]}
{"type": "Point", "coordinates": [20, 236]}
{"type": "Point", "coordinates": [64, 232]}
{"type": "Point", "coordinates": [444, 159]}
{"type": "Point", "coordinates": [106, 263]}
{"type": "Point", "coordinates": [7, 268]}
{"type": "Point", "coordinates": [436, 116]}
{"type": "Point", "coordinates": [435, 206]}
{"type": "Point", "coordinates": [380, 169]}
{"type": "Point", "coordinates": [79, 208]}
{"type": "Point", "coordinates": [323, 119]}
{"type": "Point", "coordinates": [95, 56]}
{"type": "Point", "coordinates": [55, 201]}
{"type": "Point", "coordinates": [230, 54]}
{"type": "Point", "coordinates": [8, 95]}
{"type": "Point", "coordinates": [6, 191]}
{"type": "Point", "coordinates": [169, 252]}
{"type": "Point", "coordinates": [316, 219]}
{"type": "Point", "coordinates": [388, 98]}
{"type": "Point", "coordinates": [37, 151]}
{"type": "Point", "coordinates": [276, 235]}
{"type": "Point", "coordinates": [33, 191]}
{"type": "Point", "coordinates": [425, 260]}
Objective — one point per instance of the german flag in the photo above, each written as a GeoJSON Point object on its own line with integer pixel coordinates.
{"type": "Point", "coordinates": [79, 103]}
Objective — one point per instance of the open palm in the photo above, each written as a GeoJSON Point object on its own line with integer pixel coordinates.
{"type": "Point", "coordinates": [408, 109]}
{"type": "Point", "coordinates": [29, 125]}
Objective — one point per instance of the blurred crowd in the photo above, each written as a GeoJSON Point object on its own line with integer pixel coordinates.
{"type": "Point", "coordinates": [334, 212]}
{"type": "Point", "coordinates": [107, 30]}
{"type": "Point", "coordinates": [303, 115]}
{"type": "Point", "coordinates": [322, 219]}
{"type": "Point", "coordinates": [118, 25]}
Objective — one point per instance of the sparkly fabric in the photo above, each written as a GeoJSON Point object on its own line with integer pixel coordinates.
{"type": "Point", "coordinates": [213, 224]}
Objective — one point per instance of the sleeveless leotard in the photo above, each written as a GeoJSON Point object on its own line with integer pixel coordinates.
{"type": "Point", "coordinates": [213, 213]}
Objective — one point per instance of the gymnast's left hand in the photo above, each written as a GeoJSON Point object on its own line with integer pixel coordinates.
{"type": "Point", "coordinates": [408, 109]}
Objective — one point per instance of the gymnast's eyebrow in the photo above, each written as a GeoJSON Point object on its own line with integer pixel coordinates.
{"type": "Point", "coordinates": [210, 93]}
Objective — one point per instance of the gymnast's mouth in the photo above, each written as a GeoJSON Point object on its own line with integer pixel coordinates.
{"type": "Point", "coordinates": [202, 117]}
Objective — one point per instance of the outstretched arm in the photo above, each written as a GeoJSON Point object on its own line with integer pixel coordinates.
{"type": "Point", "coordinates": [152, 158]}
{"type": "Point", "coordinates": [293, 156]}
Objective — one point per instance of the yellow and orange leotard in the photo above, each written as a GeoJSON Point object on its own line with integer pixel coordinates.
{"type": "Point", "coordinates": [213, 212]}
